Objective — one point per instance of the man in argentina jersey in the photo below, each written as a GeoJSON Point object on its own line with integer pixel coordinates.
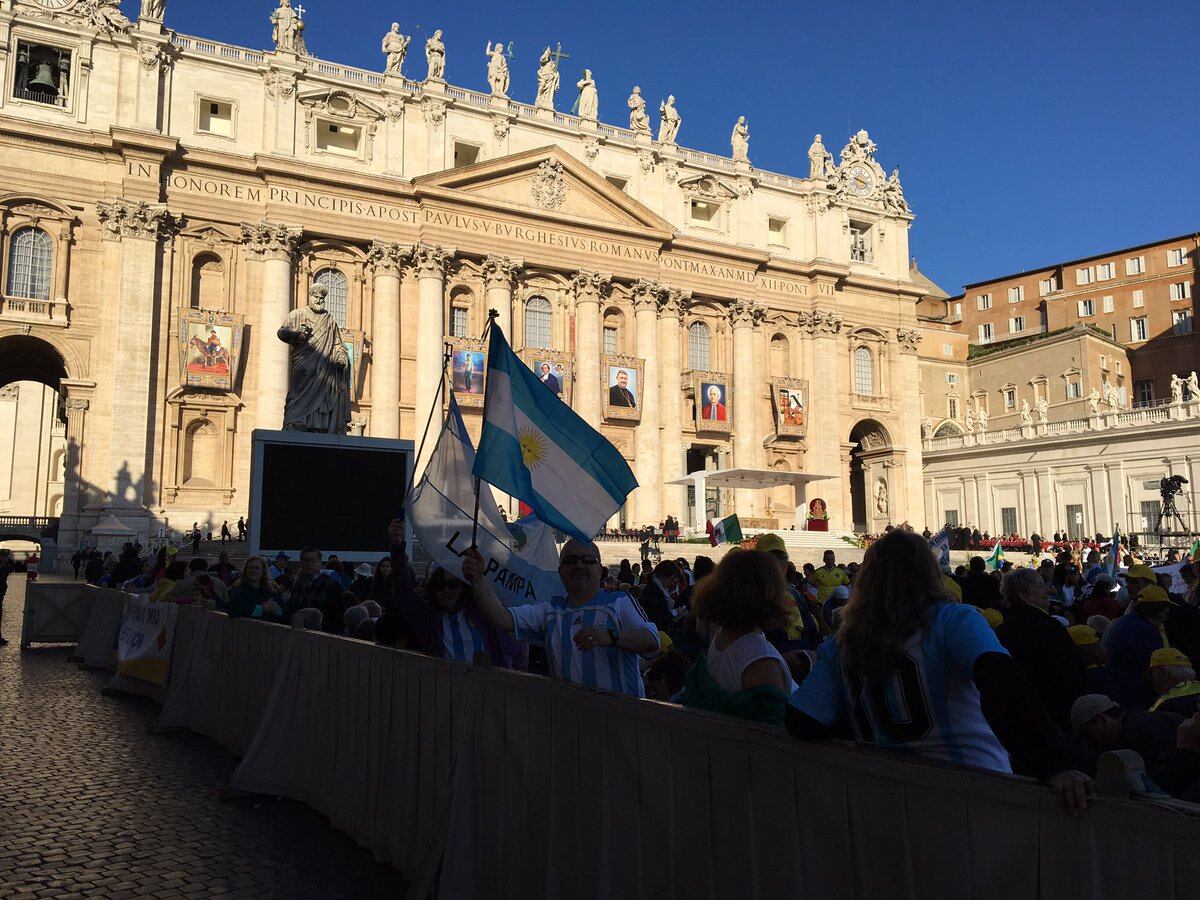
{"type": "Point", "coordinates": [592, 637]}
{"type": "Point", "coordinates": [929, 705]}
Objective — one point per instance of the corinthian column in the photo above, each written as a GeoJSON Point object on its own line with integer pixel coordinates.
{"type": "Point", "coordinates": [648, 498]}
{"type": "Point", "coordinates": [431, 263]}
{"type": "Point", "coordinates": [139, 227]}
{"type": "Point", "coordinates": [674, 496]}
{"type": "Point", "coordinates": [275, 245]}
{"type": "Point", "coordinates": [825, 436]}
{"type": "Point", "coordinates": [387, 261]}
{"type": "Point", "coordinates": [746, 440]}
{"type": "Point", "coordinates": [589, 291]}
{"type": "Point", "coordinates": [498, 274]}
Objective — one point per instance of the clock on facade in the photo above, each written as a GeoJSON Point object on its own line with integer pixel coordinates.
{"type": "Point", "coordinates": [55, 4]}
{"type": "Point", "coordinates": [861, 180]}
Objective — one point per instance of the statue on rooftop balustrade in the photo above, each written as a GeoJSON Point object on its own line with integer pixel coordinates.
{"type": "Point", "coordinates": [435, 55]}
{"type": "Point", "coordinates": [395, 46]}
{"type": "Point", "coordinates": [497, 71]}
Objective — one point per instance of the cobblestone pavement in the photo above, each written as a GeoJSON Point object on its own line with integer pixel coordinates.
{"type": "Point", "coordinates": [92, 805]}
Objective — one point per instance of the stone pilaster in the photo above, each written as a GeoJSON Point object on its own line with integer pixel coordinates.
{"type": "Point", "coordinates": [77, 400]}
{"type": "Point", "coordinates": [387, 262]}
{"type": "Point", "coordinates": [430, 264]}
{"type": "Point", "coordinates": [671, 459]}
{"type": "Point", "coordinates": [138, 227]}
{"type": "Point", "coordinates": [821, 327]}
{"type": "Point", "coordinates": [590, 288]}
{"type": "Point", "coordinates": [907, 401]}
{"type": "Point", "coordinates": [648, 498]}
{"type": "Point", "coordinates": [744, 315]}
{"type": "Point", "coordinates": [275, 246]}
{"type": "Point", "coordinates": [498, 275]}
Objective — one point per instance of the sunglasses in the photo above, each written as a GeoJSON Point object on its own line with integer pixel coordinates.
{"type": "Point", "coordinates": [572, 559]}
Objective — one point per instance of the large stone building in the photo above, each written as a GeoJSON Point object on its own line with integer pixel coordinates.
{"type": "Point", "coordinates": [160, 186]}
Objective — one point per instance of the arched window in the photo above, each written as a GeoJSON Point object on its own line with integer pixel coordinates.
{"type": "Point", "coordinates": [208, 282]}
{"type": "Point", "coordinates": [339, 291]}
{"type": "Point", "coordinates": [613, 323]}
{"type": "Point", "coordinates": [538, 316]}
{"type": "Point", "coordinates": [461, 301]}
{"type": "Point", "coordinates": [864, 372]}
{"type": "Point", "coordinates": [30, 264]}
{"type": "Point", "coordinates": [200, 452]}
{"type": "Point", "coordinates": [780, 359]}
{"type": "Point", "coordinates": [698, 347]}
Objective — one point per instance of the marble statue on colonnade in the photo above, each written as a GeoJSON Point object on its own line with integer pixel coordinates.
{"type": "Point", "coordinates": [435, 55]}
{"type": "Point", "coordinates": [817, 154]}
{"type": "Point", "coordinates": [589, 97]}
{"type": "Point", "coordinates": [497, 73]}
{"type": "Point", "coordinates": [318, 397]}
{"type": "Point", "coordinates": [740, 141]}
{"type": "Point", "coordinates": [639, 122]}
{"type": "Point", "coordinates": [395, 45]}
{"type": "Point", "coordinates": [1176, 390]}
{"type": "Point", "coordinates": [547, 80]}
{"type": "Point", "coordinates": [154, 9]}
{"type": "Point", "coordinates": [285, 26]}
{"type": "Point", "coordinates": [1193, 386]}
{"type": "Point", "coordinates": [668, 124]}
{"type": "Point", "coordinates": [1093, 402]}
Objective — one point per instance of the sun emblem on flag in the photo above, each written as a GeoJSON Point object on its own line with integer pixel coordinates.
{"type": "Point", "coordinates": [533, 447]}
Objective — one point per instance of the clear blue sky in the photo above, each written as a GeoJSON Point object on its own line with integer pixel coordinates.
{"type": "Point", "coordinates": [1026, 132]}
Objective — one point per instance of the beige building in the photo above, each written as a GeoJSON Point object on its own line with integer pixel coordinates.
{"type": "Point", "coordinates": [208, 186]}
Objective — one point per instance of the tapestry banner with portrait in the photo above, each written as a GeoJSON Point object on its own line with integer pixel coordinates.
{"type": "Point", "coordinates": [354, 342]}
{"type": "Point", "coordinates": [210, 346]}
{"type": "Point", "coordinates": [468, 366]}
{"type": "Point", "coordinates": [714, 401]}
{"type": "Point", "coordinates": [622, 387]}
{"type": "Point", "coordinates": [554, 369]}
{"type": "Point", "coordinates": [790, 398]}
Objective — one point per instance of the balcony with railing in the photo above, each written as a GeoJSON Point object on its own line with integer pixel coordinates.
{"type": "Point", "coordinates": [35, 312]}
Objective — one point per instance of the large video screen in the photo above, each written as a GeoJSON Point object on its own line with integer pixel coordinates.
{"type": "Point", "coordinates": [336, 494]}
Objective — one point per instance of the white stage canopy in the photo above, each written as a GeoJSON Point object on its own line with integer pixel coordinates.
{"type": "Point", "coordinates": [750, 479]}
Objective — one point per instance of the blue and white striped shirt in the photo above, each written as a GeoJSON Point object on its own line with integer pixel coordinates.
{"type": "Point", "coordinates": [555, 623]}
{"type": "Point", "coordinates": [460, 639]}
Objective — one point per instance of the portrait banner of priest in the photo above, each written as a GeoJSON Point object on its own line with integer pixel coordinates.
{"type": "Point", "coordinates": [790, 397]}
{"type": "Point", "coordinates": [210, 345]}
{"type": "Point", "coordinates": [714, 401]}
{"type": "Point", "coordinates": [554, 369]}
{"type": "Point", "coordinates": [622, 388]}
{"type": "Point", "coordinates": [355, 344]}
{"type": "Point", "coordinates": [468, 365]}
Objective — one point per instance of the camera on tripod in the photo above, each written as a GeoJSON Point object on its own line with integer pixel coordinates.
{"type": "Point", "coordinates": [1170, 486]}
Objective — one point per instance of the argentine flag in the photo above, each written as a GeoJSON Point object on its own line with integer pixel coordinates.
{"type": "Point", "coordinates": [534, 448]}
{"type": "Point", "coordinates": [940, 544]}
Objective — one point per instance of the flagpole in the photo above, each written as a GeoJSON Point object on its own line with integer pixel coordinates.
{"type": "Point", "coordinates": [447, 352]}
{"type": "Point", "coordinates": [487, 393]}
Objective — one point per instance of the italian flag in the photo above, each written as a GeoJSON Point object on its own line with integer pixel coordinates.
{"type": "Point", "coordinates": [728, 530]}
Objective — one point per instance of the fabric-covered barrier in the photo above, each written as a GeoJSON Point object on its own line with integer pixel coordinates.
{"type": "Point", "coordinates": [97, 645]}
{"type": "Point", "coordinates": [206, 693]}
{"type": "Point", "coordinates": [55, 613]}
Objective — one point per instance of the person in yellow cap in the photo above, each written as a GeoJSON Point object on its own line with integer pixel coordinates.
{"type": "Point", "coordinates": [1130, 641]}
{"type": "Point", "coordinates": [994, 617]}
{"type": "Point", "coordinates": [1173, 678]}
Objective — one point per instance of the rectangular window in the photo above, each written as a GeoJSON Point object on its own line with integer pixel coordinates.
{"type": "Point", "coordinates": [1074, 521]}
{"type": "Point", "coordinates": [1135, 265]}
{"type": "Point", "coordinates": [617, 181]}
{"type": "Point", "coordinates": [342, 140]}
{"type": "Point", "coordinates": [1106, 303]}
{"type": "Point", "coordinates": [860, 243]}
{"type": "Point", "coordinates": [1181, 321]}
{"type": "Point", "coordinates": [43, 73]}
{"type": "Point", "coordinates": [958, 312]}
{"type": "Point", "coordinates": [1105, 271]}
{"type": "Point", "coordinates": [1087, 308]}
{"type": "Point", "coordinates": [214, 117]}
{"type": "Point", "coordinates": [1010, 398]}
{"type": "Point", "coordinates": [985, 332]}
{"type": "Point", "coordinates": [1103, 362]}
{"type": "Point", "coordinates": [947, 350]}
{"type": "Point", "coordinates": [951, 378]}
{"type": "Point", "coordinates": [776, 231]}
{"type": "Point", "coordinates": [459, 319]}
{"type": "Point", "coordinates": [1150, 510]}
{"type": "Point", "coordinates": [1176, 257]}
{"type": "Point", "coordinates": [1074, 389]}
{"type": "Point", "coordinates": [1139, 299]}
{"type": "Point", "coordinates": [1119, 372]}
{"type": "Point", "coordinates": [983, 301]}
{"type": "Point", "coordinates": [1139, 328]}
{"type": "Point", "coordinates": [704, 212]}
{"type": "Point", "coordinates": [1016, 324]}
{"type": "Point", "coordinates": [1181, 290]}
{"type": "Point", "coordinates": [1112, 331]}
{"type": "Point", "coordinates": [1008, 520]}
{"type": "Point", "coordinates": [952, 518]}
{"type": "Point", "coordinates": [1047, 286]}
{"type": "Point", "coordinates": [952, 407]}
{"type": "Point", "coordinates": [465, 154]}
{"type": "Point", "coordinates": [1086, 275]}
{"type": "Point", "coordinates": [1016, 294]}
{"type": "Point", "coordinates": [1143, 392]}
{"type": "Point", "coordinates": [610, 340]}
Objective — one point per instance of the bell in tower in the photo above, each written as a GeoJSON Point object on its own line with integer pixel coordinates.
{"type": "Point", "coordinates": [43, 80]}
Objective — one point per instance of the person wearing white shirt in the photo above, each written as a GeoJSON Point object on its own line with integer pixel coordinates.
{"type": "Point", "coordinates": [592, 637]}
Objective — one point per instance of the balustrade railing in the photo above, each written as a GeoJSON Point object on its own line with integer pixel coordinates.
{"type": "Point", "coordinates": [37, 312]}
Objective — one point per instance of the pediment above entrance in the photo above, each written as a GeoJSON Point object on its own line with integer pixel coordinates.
{"type": "Point", "coordinates": [550, 182]}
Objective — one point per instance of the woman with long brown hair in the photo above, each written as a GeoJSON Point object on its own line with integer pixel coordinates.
{"type": "Point", "coordinates": [912, 669]}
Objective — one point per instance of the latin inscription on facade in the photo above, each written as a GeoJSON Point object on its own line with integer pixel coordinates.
{"type": "Point", "coordinates": [709, 270]}
{"type": "Point", "coordinates": [533, 235]}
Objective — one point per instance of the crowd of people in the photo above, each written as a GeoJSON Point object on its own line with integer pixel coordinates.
{"type": "Point", "coordinates": [1036, 671]}
{"type": "Point", "coordinates": [965, 537]}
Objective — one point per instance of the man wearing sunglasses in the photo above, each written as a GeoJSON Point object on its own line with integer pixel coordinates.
{"type": "Point", "coordinates": [592, 637]}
